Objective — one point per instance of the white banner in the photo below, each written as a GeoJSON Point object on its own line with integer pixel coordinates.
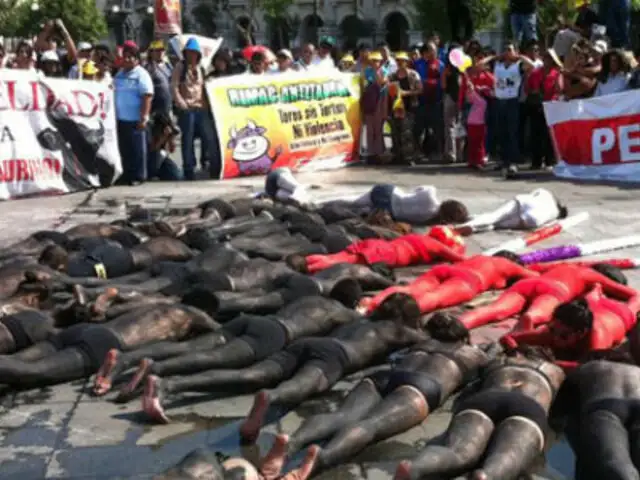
{"type": "Point", "coordinates": [597, 138]}
{"type": "Point", "coordinates": [57, 135]}
{"type": "Point", "coordinates": [208, 45]}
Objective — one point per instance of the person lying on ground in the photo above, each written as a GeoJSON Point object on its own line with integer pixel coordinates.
{"type": "Point", "coordinates": [535, 299]}
{"type": "Point", "coordinates": [447, 286]}
{"type": "Point", "coordinates": [306, 367]}
{"type": "Point", "coordinates": [247, 339]}
{"type": "Point", "coordinates": [499, 424]}
{"type": "Point", "coordinates": [588, 324]}
{"type": "Point", "coordinates": [390, 402]}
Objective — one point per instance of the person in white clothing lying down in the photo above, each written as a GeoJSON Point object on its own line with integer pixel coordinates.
{"type": "Point", "coordinates": [422, 206]}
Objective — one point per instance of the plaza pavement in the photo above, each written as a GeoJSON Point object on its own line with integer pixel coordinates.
{"type": "Point", "coordinates": [63, 432]}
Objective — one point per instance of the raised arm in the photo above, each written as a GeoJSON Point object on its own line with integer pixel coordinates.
{"type": "Point", "coordinates": [614, 289]}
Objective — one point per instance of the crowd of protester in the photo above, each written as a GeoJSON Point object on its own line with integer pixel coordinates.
{"type": "Point", "coordinates": [436, 111]}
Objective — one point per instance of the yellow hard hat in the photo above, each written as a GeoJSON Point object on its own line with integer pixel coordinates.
{"type": "Point", "coordinates": [402, 56]}
{"type": "Point", "coordinates": [375, 56]}
{"type": "Point", "coordinates": [348, 59]}
{"type": "Point", "coordinates": [156, 45]}
{"type": "Point", "coordinates": [89, 68]}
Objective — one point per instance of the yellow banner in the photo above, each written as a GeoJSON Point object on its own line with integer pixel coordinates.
{"type": "Point", "coordinates": [301, 120]}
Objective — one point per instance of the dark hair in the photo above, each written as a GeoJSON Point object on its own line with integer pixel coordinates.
{"type": "Point", "coordinates": [509, 43]}
{"type": "Point", "coordinates": [222, 55]}
{"type": "Point", "coordinates": [297, 262]}
{"type": "Point", "coordinates": [611, 272]}
{"type": "Point", "coordinates": [509, 256]}
{"type": "Point", "coordinates": [54, 256]}
{"type": "Point", "coordinates": [347, 291]}
{"type": "Point", "coordinates": [258, 57]}
{"type": "Point", "coordinates": [23, 44]}
{"type": "Point", "coordinates": [446, 327]}
{"type": "Point", "coordinates": [399, 306]}
{"type": "Point", "coordinates": [563, 211]}
{"type": "Point", "coordinates": [453, 212]}
{"type": "Point", "coordinates": [533, 352]}
{"type": "Point", "coordinates": [575, 315]}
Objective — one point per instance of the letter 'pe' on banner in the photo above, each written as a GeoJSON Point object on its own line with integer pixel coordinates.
{"type": "Point", "coordinates": [302, 120]}
{"type": "Point", "coordinates": [56, 135]}
{"type": "Point", "coordinates": [597, 138]}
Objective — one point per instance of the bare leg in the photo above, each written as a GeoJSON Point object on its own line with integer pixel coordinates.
{"type": "Point", "coordinates": [272, 464]}
{"type": "Point", "coordinates": [540, 312]}
{"type": "Point", "coordinates": [35, 352]}
{"type": "Point", "coordinates": [505, 306]}
{"type": "Point", "coordinates": [355, 406]}
{"type": "Point", "coordinates": [515, 445]}
{"type": "Point", "coordinates": [257, 376]}
{"type": "Point", "coordinates": [401, 410]}
{"type": "Point", "coordinates": [308, 380]}
{"type": "Point", "coordinates": [117, 362]}
{"type": "Point", "coordinates": [465, 442]}
{"type": "Point", "coordinates": [62, 366]}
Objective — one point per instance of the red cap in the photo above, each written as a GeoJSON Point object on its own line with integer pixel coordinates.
{"type": "Point", "coordinates": [130, 45]}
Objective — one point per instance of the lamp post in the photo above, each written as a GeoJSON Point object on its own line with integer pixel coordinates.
{"type": "Point", "coordinates": [120, 12]}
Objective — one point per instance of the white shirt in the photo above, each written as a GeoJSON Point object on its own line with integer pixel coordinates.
{"type": "Point", "coordinates": [537, 208]}
{"type": "Point", "coordinates": [615, 84]}
{"type": "Point", "coordinates": [508, 80]}
{"type": "Point", "coordinates": [418, 206]}
{"type": "Point", "coordinates": [326, 62]}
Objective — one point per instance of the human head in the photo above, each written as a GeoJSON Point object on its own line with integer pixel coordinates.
{"type": "Point", "coordinates": [307, 53]}
{"type": "Point", "coordinates": [473, 48]}
{"type": "Point", "coordinates": [510, 51]}
{"type": "Point", "coordinates": [55, 257]}
{"type": "Point", "coordinates": [85, 49]}
{"type": "Point", "coordinates": [402, 60]}
{"type": "Point", "coordinates": [258, 62]}
{"type": "Point", "coordinates": [285, 59]}
{"type": "Point", "coordinates": [532, 49]}
{"type": "Point", "coordinates": [363, 52]}
{"type": "Point", "coordinates": [326, 46]}
{"type": "Point", "coordinates": [453, 212]}
{"type": "Point", "coordinates": [571, 322]}
{"type": "Point", "coordinates": [600, 47]}
{"type": "Point", "coordinates": [435, 38]}
{"type": "Point", "coordinates": [383, 48]}
{"type": "Point", "coordinates": [509, 256]}
{"type": "Point", "coordinates": [192, 52]}
{"type": "Point", "coordinates": [50, 63]}
{"type": "Point", "coordinates": [347, 62]}
{"type": "Point", "coordinates": [414, 52]}
{"type": "Point", "coordinates": [130, 55]}
{"type": "Point", "coordinates": [24, 55]}
{"type": "Point", "coordinates": [156, 51]}
{"type": "Point", "coordinates": [429, 51]}
{"type": "Point", "coordinates": [103, 61]}
{"type": "Point", "coordinates": [221, 61]}
{"type": "Point", "coordinates": [446, 327]}
{"type": "Point", "coordinates": [611, 272]}
{"type": "Point", "coordinates": [375, 59]}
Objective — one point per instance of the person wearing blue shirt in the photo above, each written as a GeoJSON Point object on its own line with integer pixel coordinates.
{"type": "Point", "coordinates": [133, 91]}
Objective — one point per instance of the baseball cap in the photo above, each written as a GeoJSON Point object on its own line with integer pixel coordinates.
{"type": "Point", "coordinates": [600, 46]}
{"type": "Point", "coordinates": [285, 53]}
{"type": "Point", "coordinates": [84, 46]}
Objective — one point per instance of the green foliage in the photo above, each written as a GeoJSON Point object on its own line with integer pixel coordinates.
{"type": "Point", "coordinates": [9, 18]}
{"type": "Point", "coordinates": [275, 8]}
{"type": "Point", "coordinates": [81, 17]}
{"type": "Point", "coordinates": [204, 14]}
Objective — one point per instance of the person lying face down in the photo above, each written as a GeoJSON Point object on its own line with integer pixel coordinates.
{"type": "Point", "coordinates": [438, 244]}
{"type": "Point", "coordinates": [307, 366]}
{"type": "Point", "coordinates": [392, 401]}
{"type": "Point", "coordinates": [112, 260]}
{"type": "Point", "coordinates": [588, 324]}
{"type": "Point", "coordinates": [79, 350]}
{"type": "Point", "coordinates": [597, 408]}
{"type": "Point", "coordinates": [499, 427]}
{"type": "Point", "coordinates": [537, 298]}
{"type": "Point", "coordinates": [447, 286]}
{"type": "Point", "coordinates": [202, 464]}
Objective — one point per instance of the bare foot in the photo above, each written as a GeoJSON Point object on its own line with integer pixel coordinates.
{"type": "Point", "coordinates": [272, 464]}
{"type": "Point", "coordinates": [250, 428]}
{"type": "Point", "coordinates": [104, 377]}
{"type": "Point", "coordinates": [101, 304]}
{"type": "Point", "coordinates": [308, 464]}
{"type": "Point", "coordinates": [128, 392]}
{"type": "Point", "coordinates": [152, 400]}
{"type": "Point", "coordinates": [403, 472]}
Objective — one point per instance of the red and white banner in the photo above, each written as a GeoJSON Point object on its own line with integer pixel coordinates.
{"type": "Point", "coordinates": [56, 135]}
{"type": "Point", "coordinates": [597, 138]}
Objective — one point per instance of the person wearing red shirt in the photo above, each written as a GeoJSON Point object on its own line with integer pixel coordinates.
{"type": "Point", "coordinates": [544, 84]}
{"type": "Point", "coordinates": [538, 297]}
{"type": "Point", "coordinates": [447, 286]}
{"type": "Point", "coordinates": [589, 324]}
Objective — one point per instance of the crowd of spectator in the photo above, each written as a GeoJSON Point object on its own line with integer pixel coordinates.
{"type": "Point", "coordinates": [490, 111]}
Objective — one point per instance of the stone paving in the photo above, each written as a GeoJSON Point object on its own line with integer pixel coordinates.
{"type": "Point", "coordinates": [63, 432]}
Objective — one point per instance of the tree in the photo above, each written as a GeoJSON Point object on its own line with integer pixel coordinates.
{"type": "Point", "coordinates": [81, 17]}
{"type": "Point", "coordinates": [10, 12]}
{"type": "Point", "coordinates": [204, 15]}
{"type": "Point", "coordinates": [275, 12]}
